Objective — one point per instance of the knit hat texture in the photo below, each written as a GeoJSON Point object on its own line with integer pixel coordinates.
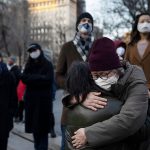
{"type": "Point", "coordinates": [103, 56]}
{"type": "Point", "coordinates": [84, 15]}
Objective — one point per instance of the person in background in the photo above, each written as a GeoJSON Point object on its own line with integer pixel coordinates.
{"type": "Point", "coordinates": [38, 77]}
{"type": "Point", "coordinates": [138, 52]}
{"type": "Point", "coordinates": [77, 49]}
{"type": "Point", "coordinates": [120, 48]}
{"type": "Point", "coordinates": [125, 81]}
{"type": "Point", "coordinates": [13, 68]}
{"type": "Point", "coordinates": [15, 71]}
{"type": "Point", "coordinates": [8, 103]}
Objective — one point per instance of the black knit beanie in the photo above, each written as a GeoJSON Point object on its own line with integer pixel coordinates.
{"type": "Point", "coordinates": [84, 15]}
{"type": "Point", "coordinates": [103, 56]}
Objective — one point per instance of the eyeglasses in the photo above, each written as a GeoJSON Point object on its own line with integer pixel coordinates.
{"type": "Point", "coordinates": [103, 75]}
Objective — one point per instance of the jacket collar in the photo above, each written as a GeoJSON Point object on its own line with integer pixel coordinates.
{"type": "Point", "coordinates": [147, 51]}
{"type": "Point", "coordinates": [136, 54]}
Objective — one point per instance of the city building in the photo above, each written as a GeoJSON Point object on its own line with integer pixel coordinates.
{"type": "Point", "coordinates": [52, 23]}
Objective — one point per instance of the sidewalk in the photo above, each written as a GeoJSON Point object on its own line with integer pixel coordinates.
{"type": "Point", "coordinates": [54, 143]}
{"type": "Point", "coordinates": [27, 140]}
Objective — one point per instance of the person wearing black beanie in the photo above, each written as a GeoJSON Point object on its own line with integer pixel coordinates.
{"type": "Point", "coordinates": [84, 15]}
{"type": "Point", "coordinates": [76, 49]}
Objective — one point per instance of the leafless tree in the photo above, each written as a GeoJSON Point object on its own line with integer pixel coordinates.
{"type": "Point", "coordinates": [13, 27]}
{"type": "Point", "coordinates": [3, 27]}
{"type": "Point", "coordinates": [121, 13]}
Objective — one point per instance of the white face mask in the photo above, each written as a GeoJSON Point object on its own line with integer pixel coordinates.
{"type": "Point", "coordinates": [120, 51]}
{"type": "Point", "coordinates": [106, 84]}
{"type": "Point", "coordinates": [143, 27]}
{"type": "Point", "coordinates": [35, 54]}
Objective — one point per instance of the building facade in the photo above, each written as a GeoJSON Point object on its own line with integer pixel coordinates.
{"type": "Point", "coordinates": [52, 23]}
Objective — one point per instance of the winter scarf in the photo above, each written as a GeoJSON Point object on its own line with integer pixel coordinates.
{"type": "Point", "coordinates": [83, 46]}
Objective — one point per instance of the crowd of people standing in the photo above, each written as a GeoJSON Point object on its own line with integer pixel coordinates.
{"type": "Point", "coordinates": [106, 87]}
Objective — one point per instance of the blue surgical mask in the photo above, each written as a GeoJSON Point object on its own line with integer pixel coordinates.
{"type": "Point", "coordinates": [85, 28]}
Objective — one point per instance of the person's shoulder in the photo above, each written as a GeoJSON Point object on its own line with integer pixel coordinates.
{"type": "Point", "coordinates": [67, 44]}
{"type": "Point", "coordinates": [131, 46]}
{"type": "Point", "coordinates": [16, 67]}
{"type": "Point", "coordinates": [48, 63]}
{"type": "Point", "coordinates": [65, 47]}
{"type": "Point", "coordinates": [138, 71]}
{"type": "Point", "coordinates": [135, 72]}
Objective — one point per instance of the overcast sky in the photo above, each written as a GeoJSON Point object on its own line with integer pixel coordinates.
{"type": "Point", "coordinates": [98, 8]}
{"type": "Point", "coordinates": [90, 4]}
{"type": "Point", "coordinates": [94, 7]}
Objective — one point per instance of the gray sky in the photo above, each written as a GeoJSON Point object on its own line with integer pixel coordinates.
{"type": "Point", "coordinates": [94, 7]}
{"type": "Point", "coordinates": [98, 10]}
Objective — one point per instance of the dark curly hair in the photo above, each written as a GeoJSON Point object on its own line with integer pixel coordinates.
{"type": "Point", "coordinates": [135, 35]}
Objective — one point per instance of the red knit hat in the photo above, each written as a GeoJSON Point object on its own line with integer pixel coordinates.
{"type": "Point", "coordinates": [103, 56]}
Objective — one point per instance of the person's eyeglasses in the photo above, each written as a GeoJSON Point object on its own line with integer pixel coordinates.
{"type": "Point", "coordinates": [103, 75]}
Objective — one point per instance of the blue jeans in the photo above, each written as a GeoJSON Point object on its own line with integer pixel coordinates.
{"type": "Point", "coordinates": [63, 127]}
{"type": "Point", "coordinates": [40, 141]}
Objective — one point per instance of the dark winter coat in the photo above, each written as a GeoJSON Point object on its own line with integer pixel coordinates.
{"type": "Point", "coordinates": [16, 73]}
{"type": "Point", "coordinates": [38, 77]}
{"type": "Point", "coordinates": [8, 103]}
{"type": "Point", "coordinates": [113, 133]}
{"type": "Point", "coordinates": [68, 54]}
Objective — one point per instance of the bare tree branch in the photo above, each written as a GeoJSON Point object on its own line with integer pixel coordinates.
{"type": "Point", "coordinates": [122, 13]}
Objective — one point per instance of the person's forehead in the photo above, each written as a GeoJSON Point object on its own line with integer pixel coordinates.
{"type": "Point", "coordinates": [144, 17]}
{"type": "Point", "coordinates": [33, 50]}
{"type": "Point", "coordinates": [87, 19]}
